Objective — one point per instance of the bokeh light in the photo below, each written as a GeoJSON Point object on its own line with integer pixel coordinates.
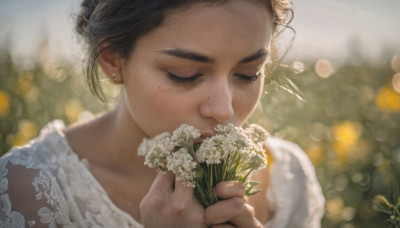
{"type": "Point", "coordinates": [298, 67]}
{"type": "Point", "coordinates": [26, 130]}
{"type": "Point", "coordinates": [388, 100]}
{"type": "Point", "coordinates": [395, 63]}
{"type": "Point", "coordinates": [73, 109]}
{"type": "Point", "coordinates": [54, 70]}
{"type": "Point", "coordinates": [346, 136]}
{"type": "Point", "coordinates": [316, 154]}
{"type": "Point", "coordinates": [348, 213]}
{"type": "Point", "coordinates": [4, 103]}
{"type": "Point", "coordinates": [396, 82]}
{"type": "Point", "coordinates": [324, 68]}
{"type": "Point", "coordinates": [334, 209]}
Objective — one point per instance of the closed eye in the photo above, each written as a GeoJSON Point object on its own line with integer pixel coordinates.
{"type": "Point", "coordinates": [248, 78]}
{"type": "Point", "coordinates": [183, 80]}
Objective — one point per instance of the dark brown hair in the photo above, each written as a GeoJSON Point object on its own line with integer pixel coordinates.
{"type": "Point", "coordinates": [117, 24]}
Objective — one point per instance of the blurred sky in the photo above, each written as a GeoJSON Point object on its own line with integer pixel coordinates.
{"type": "Point", "coordinates": [324, 28]}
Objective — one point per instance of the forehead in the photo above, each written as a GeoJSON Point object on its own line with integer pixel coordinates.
{"type": "Point", "coordinates": [232, 26]}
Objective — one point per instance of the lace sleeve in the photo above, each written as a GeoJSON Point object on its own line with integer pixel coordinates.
{"type": "Point", "coordinates": [295, 192]}
{"type": "Point", "coordinates": [28, 198]}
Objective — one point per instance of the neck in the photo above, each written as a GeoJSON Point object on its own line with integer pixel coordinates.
{"type": "Point", "coordinates": [109, 141]}
{"type": "Point", "coordinates": [127, 136]}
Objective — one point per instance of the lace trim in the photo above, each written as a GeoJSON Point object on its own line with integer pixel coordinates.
{"type": "Point", "coordinates": [51, 153]}
{"type": "Point", "coordinates": [9, 218]}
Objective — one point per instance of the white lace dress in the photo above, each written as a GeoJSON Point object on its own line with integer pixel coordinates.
{"type": "Point", "coordinates": [43, 183]}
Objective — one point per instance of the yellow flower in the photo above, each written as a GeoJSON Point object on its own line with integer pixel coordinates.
{"type": "Point", "coordinates": [346, 138]}
{"type": "Point", "coordinates": [72, 109]}
{"type": "Point", "coordinates": [388, 100]}
{"type": "Point", "coordinates": [27, 130]}
{"type": "Point", "coordinates": [268, 155]}
{"type": "Point", "coordinates": [19, 140]}
{"type": "Point", "coordinates": [316, 154]}
{"type": "Point", "coordinates": [4, 103]}
{"type": "Point", "coordinates": [346, 133]}
{"type": "Point", "coordinates": [334, 208]}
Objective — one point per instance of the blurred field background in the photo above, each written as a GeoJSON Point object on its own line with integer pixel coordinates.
{"type": "Point", "coordinates": [345, 112]}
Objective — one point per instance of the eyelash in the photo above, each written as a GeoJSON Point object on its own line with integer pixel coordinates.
{"type": "Point", "coordinates": [247, 78]}
{"type": "Point", "coordinates": [193, 79]}
{"type": "Point", "coordinates": [183, 80]}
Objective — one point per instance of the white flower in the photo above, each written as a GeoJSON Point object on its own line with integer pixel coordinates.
{"type": "Point", "coordinates": [257, 133]}
{"type": "Point", "coordinates": [149, 144]}
{"type": "Point", "coordinates": [253, 157]}
{"type": "Point", "coordinates": [225, 129]}
{"type": "Point", "coordinates": [184, 136]}
{"type": "Point", "coordinates": [144, 147]}
{"type": "Point", "coordinates": [156, 157]}
{"type": "Point", "coordinates": [182, 165]}
{"type": "Point", "coordinates": [211, 151]}
{"type": "Point", "coordinates": [233, 152]}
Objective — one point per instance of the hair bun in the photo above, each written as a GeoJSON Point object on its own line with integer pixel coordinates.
{"type": "Point", "coordinates": [83, 18]}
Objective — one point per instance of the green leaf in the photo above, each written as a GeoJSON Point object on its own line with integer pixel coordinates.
{"type": "Point", "coordinates": [396, 180]}
{"type": "Point", "coordinates": [253, 193]}
{"type": "Point", "coordinates": [249, 188]}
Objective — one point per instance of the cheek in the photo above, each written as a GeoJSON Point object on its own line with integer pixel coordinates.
{"type": "Point", "coordinates": [246, 100]}
{"type": "Point", "coordinates": [167, 103]}
{"type": "Point", "coordinates": [155, 106]}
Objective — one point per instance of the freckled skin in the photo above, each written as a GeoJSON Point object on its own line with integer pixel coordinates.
{"type": "Point", "coordinates": [157, 104]}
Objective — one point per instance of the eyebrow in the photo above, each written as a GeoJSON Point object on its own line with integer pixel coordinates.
{"type": "Point", "coordinates": [187, 54]}
{"type": "Point", "coordinates": [260, 53]}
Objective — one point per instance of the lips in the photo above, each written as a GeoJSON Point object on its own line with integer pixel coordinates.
{"type": "Point", "coordinates": [204, 135]}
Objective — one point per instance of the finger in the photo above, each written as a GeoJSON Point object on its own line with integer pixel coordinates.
{"type": "Point", "coordinates": [235, 210]}
{"type": "Point", "coordinates": [163, 182]}
{"type": "Point", "coordinates": [182, 198]}
{"type": "Point", "coordinates": [182, 194]}
{"type": "Point", "coordinates": [158, 194]}
{"type": "Point", "coordinates": [229, 189]}
{"type": "Point", "coordinates": [182, 190]}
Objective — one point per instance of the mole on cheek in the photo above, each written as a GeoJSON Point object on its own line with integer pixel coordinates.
{"type": "Point", "coordinates": [163, 89]}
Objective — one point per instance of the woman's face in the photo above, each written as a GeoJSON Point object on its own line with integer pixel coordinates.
{"type": "Point", "coordinates": [201, 67]}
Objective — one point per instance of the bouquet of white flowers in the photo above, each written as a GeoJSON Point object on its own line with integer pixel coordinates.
{"type": "Point", "coordinates": [232, 154]}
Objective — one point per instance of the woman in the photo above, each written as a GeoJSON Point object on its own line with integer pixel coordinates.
{"type": "Point", "coordinates": [193, 62]}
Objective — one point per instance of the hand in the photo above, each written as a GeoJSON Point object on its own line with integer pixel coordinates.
{"type": "Point", "coordinates": [233, 210]}
{"type": "Point", "coordinates": [166, 206]}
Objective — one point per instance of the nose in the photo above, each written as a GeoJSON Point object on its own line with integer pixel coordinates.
{"type": "Point", "coordinates": [218, 102]}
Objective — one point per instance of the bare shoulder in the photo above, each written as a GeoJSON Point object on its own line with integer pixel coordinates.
{"type": "Point", "coordinates": [84, 138]}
